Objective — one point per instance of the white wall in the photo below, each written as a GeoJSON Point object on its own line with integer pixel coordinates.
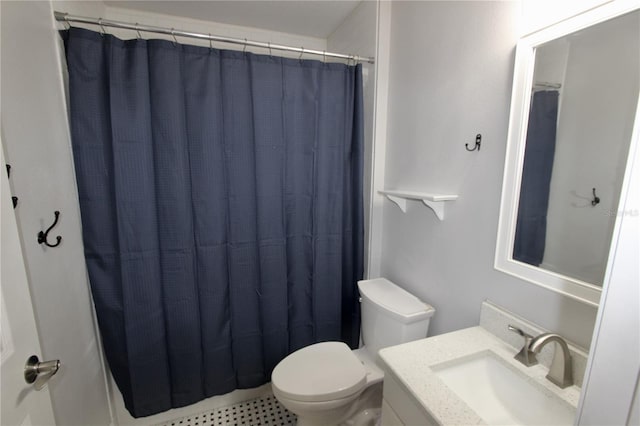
{"type": "Point", "coordinates": [450, 78]}
{"type": "Point", "coordinates": [36, 138]}
{"type": "Point", "coordinates": [357, 35]}
{"type": "Point", "coordinates": [86, 8]}
{"type": "Point", "coordinates": [598, 102]}
{"type": "Point", "coordinates": [551, 63]}
{"type": "Point", "coordinates": [538, 14]}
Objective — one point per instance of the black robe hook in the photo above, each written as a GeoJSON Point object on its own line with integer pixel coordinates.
{"type": "Point", "coordinates": [476, 146]}
{"type": "Point", "coordinates": [596, 199]}
{"type": "Point", "coordinates": [42, 236]}
{"type": "Point", "coordinates": [14, 199]}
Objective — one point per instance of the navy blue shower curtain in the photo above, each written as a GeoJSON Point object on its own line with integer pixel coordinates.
{"type": "Point", "coordinates": [221, 201]}
{"type": "Point", "coordinates": [531, 225]}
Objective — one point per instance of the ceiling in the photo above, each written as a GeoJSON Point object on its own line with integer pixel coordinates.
{"type": "Point", "coordinates": [312, 18]}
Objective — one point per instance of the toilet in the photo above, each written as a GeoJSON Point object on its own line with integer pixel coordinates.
{"type": "Point", "coordinates": [329, 384]}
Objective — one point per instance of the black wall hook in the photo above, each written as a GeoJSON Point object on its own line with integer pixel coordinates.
{"type": "Point", "coordinates": [596, 199]}
{"type": "Point", "coordinates": [476, 145]}
{"type": "Point", "coordinates": [14, 199]}
{"type": "Point", "coordinates": [42, 236]}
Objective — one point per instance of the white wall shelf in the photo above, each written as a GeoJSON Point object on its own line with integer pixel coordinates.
{"type": "Point", "coordinates": [435, 202]}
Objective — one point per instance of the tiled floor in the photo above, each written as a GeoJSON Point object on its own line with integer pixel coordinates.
{"type": "Point", "coordinates": [265, 411]}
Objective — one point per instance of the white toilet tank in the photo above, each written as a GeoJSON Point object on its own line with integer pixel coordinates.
{"type": "Point", "coordinates": [391, 315]}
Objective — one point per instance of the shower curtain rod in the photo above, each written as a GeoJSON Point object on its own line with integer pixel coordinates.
{"type": "Point", "coordinates": [547, 85]}
{"type": "Point", "coordinates": [65, 17]}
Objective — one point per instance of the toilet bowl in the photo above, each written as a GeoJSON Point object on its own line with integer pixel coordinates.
{"type": "Point", "coordinates": [329, 384]}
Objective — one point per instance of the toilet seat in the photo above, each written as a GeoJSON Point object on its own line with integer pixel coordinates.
{"type": "Point", "coordinates": [321, 372]}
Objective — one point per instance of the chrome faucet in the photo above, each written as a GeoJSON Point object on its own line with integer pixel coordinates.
{"type": "Point", "coordinates": [525, 356]}
{"type": "Point", "coordinates": [560, 372]}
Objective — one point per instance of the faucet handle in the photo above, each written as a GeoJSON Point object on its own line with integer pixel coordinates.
{"type": "Point", "coordinates": [519, 331]}
{"type": "Point", "coordinates": [525, 356]}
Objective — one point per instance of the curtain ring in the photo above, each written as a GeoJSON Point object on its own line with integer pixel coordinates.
{"type": "Point", "coordinates": [324, 56]}
{"type": "Point", "coordinates": [175, 40]}
{"type": "Point", "coordinates": [301, 53]}
{"type": "Point", "coordinates": [66, 25]}
{"type": "Point", "coordinates": [210, 42]}
{"type": "Point", "coordinates": [244, 48]}
{"type": "Point", "coordinates": [138, 31]}
{"type": "Point", "coordinates": [103, 31]}
{"type": "Point", "coordinates": [269, 44]}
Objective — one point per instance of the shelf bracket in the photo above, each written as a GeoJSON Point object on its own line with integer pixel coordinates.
{"type": "Point", "coordinates": [437, 207]}
{"type": "Point", "coordinates": [399, 201]}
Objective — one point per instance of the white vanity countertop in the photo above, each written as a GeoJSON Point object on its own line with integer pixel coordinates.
{"type": "Point", "coordinates": [411, 364]}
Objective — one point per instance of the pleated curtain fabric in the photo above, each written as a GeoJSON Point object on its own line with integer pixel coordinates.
{"type": "Point", "coordinates": [221, 201]}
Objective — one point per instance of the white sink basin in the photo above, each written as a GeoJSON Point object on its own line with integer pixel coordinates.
{"type": "Point", "coordinates": [502, 395]}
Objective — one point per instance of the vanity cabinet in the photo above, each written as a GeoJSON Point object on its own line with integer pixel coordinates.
{"type": "Point", "coordinates": [399, 407]}
{"type": "Point", "coordinates": [389, 416]}
{"type": "Point", "coordinates": [470, 377]}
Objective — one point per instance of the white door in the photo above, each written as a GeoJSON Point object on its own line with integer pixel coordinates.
{"type": "Point", "coordinates": [21, 403]}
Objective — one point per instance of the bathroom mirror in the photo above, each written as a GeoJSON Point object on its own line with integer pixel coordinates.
{"type": "Point", "coordinates": [572, 126]}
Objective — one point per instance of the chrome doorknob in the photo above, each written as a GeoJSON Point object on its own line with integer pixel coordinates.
{"type": "Point", "coordinates": [39, 373]}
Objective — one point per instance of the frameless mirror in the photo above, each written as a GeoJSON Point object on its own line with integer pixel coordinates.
{"type": "Point", "coordinates": [574, 106]}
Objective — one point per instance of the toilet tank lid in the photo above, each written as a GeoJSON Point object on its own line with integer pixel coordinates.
{"type": "Point", "coordinates": [395, 300]}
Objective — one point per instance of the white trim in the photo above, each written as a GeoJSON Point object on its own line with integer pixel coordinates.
{"type": "Point", "coordinates": [64, 96]}
{"type": "Point", "coordinates": [6, 340]}
{"type": "Point", "coordinates": [381, 97]}
{"type": "Point", "coordinates": [521, 97]}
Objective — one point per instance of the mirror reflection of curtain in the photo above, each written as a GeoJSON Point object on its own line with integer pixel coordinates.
{"type": "Point", "coordinates": [221, 200]}
{"type": "Point", "coordinates": [531, 225]}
